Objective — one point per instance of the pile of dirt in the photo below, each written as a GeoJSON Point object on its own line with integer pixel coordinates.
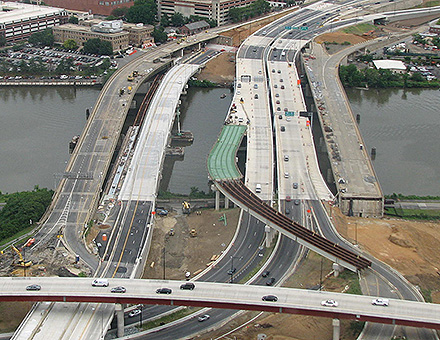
{"type": "Point", "coordinates": [220, 70]}
{"type": "Point", "coordinates": [411, 247]}
{"type": "Point", "coordinates": [340, 38]}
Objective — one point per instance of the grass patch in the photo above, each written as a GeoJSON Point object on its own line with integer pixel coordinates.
{"type": "Point", "coordinates": [170, 318]}
{"type": "Point", "coordinates": [429, 4]}
{"type": "Point", "coordinates": [18, 237]}
{"type": "Point", "coordinates": [426, 294]}
{"type": "Point", "coordinates": [352, 281]}
{"type": "Point", "coordinates": [359, 29]}
{"type": "Point", "coordinates": [414, 214]}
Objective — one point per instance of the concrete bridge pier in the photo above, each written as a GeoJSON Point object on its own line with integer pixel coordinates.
{"type": "Point", "coordinates": [336, 329]}
{"type": "Point", "coordinates": [226, 203]}
{"type": "Point", "coordinates": [270, 233]}
{"type": "Point", "coordinates": [217, 200]}
{"type": "Point", "coordinates": [120, 319]}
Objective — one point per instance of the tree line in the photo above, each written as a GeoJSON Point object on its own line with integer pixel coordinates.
{"type": "Point", "coordinates": [22, 209]}
{"type": "Point", "coordinates": [351, 76]}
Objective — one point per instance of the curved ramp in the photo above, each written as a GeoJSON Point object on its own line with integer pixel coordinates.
{"type": "Point", "coordinates": [221, 160]}
{"type": "Point", "coordinates": [246, 199]}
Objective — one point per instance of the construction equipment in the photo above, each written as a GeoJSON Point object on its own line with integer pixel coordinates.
{"type": "Point", "coordinates": [186, 207]}
{"type": "Point", "coordinates": [21, 262]}
{"type": "Point", "coordinates": [193, 233]}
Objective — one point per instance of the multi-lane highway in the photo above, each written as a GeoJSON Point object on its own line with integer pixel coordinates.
{"type": "Point", "coordinates": [288, 300]}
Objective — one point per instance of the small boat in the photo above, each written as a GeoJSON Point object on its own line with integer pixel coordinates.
{"type": "Point", "coordinates": [223, 96]}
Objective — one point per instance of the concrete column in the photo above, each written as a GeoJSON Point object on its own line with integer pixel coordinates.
{"type": "Point", "coordinates": [181, 52]}
{"type": "Point", "coordinates": [226, 203]}
{"type": "Point", "coordinates": [217, 200]}
{"type": "Point", "coordinates": [337, 269]}
{"type": "Point", "coordinates": [269, 235]}
{"type": "Point", "coordinates": [120, 319]}
{"type": "Point", "coordinates": [336, 329]}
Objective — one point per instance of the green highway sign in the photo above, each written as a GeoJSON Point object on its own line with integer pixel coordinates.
{"type": "Point", "coordinates": [290, 113]}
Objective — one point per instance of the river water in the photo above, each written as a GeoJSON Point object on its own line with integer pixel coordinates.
{"type": "Point", "coordinates": [404, 126]}
{"type": "Point", "coordinates": [36, 125]}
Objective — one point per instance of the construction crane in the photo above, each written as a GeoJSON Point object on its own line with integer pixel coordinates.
{"type": "Point", "coordinates": [186, 207]}
{"type": "Point", "coordinates": [21, 262]}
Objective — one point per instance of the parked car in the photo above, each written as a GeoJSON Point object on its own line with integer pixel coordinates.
{"type": "Point", "coordinates": [164, 291]}
{"type": "Point", "coordinates": [272, 298]}
{"type": "Point", "coordinates": [162, 212]}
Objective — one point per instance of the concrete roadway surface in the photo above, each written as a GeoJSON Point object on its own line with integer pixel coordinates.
{"type": "Point", "coordinates": [226, 296]}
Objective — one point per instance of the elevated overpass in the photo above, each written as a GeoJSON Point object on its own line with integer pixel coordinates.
{"type": "Point", "coordinates": [227, 296]}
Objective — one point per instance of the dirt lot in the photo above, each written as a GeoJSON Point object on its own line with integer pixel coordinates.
{"type": "Point", "coordinates": [185, 253]}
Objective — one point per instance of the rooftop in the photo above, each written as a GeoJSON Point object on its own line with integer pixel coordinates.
{"type": "Point", "coordinates": [390, 64]}
{"type": "Point", "coordinates": [15, 11]}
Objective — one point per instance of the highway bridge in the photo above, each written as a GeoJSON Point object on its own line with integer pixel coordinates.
{"type": "Point", "coordinates": [227, 296]}
{"type": "Point", "coordinates": [250, 110]}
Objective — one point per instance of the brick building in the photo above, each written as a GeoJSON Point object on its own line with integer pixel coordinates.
{"type": "Point", "coordinates": [194, 27]}
{"type": "Point", "coordinates": [103, 7]}
{"type": "Point", "coordinates": [81, 34]}
{"type": "Point", "coordinates": [18, 20]}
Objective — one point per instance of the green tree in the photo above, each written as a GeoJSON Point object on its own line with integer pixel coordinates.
{"type": "Point", "coordinates": [178, 20]}
{"type": "Point", "coordinates": [20, 208]}
{"type": "Point", "coordinates": [159, 35]}
{"type": "Point", "coordinates": [70, 44]}
{"type": "Point", "coordinates": [165, 20]}
{"type": "Point", "coordinates": [120, 12]}
{"type": "Point", "coordinates": [42, 38]}
{"type": "Point", "coordinates": [65, 66]}
{"type": "Point", "coordinates": [98, 46]}
{"type": "Point", "coordinates": [143, 11]}
{"type": "Point", "coordinates": [2, 40]}
{"type": "Point", "coordinates": [73, 20]}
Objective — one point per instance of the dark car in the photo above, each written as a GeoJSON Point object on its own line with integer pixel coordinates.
{"type": "Point", "coordinates": [188, 286]}
{"type": "Point", "coordinates": [297, 202]}
{"type": "Point", "coordinates": [270, 298]}
{"type": "Point", "coordinates": [265, 273]}
{"type": "Point", "coordinates": [280, 116]}
{"type": "Point", "coordinates": [163, 291]}
{"type": "Point", "coordinates": [33, 287]}
{"type": "Point", "coordinates": [118, 289]}
{"type": "Point", "coordinates": [232, 271]}
{"type": "Point", "coordinates": [283, 128]}
{"type": "Point", "coordinates": [270, 282]}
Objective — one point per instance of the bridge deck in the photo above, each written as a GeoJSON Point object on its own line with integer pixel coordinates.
{"type": "Point", "coordinates": [221, 160]}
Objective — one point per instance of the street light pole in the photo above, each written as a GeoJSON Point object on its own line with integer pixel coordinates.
{"type": "Point", "coordinates": [164, 263]}
{"type": "Point", "coordinates": [232, 269]}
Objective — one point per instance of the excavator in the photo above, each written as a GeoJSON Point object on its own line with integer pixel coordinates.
{"type": "Point", "coordinates": [21, 262]}
{"type": "Point", "coordinates": [186, 207]}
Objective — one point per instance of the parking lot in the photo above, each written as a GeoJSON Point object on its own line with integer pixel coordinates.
{"type": "Point", "coordinates": [50, 63]}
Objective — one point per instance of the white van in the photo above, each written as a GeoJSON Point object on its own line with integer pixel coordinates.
{"type": "Point", "coordinates": [100, 283]}
{"type": "Point", "coordinates": [258, 188]}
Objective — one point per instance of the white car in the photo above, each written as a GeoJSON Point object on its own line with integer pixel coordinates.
{"type": "Point", "coordinates": [134, 312]}
{"type": "Point", "coordinates": [203, 318]}
{"type": "Point", "coordinates": [380, 302]}
{"type": "Point", "coordinates": [329, 303]}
